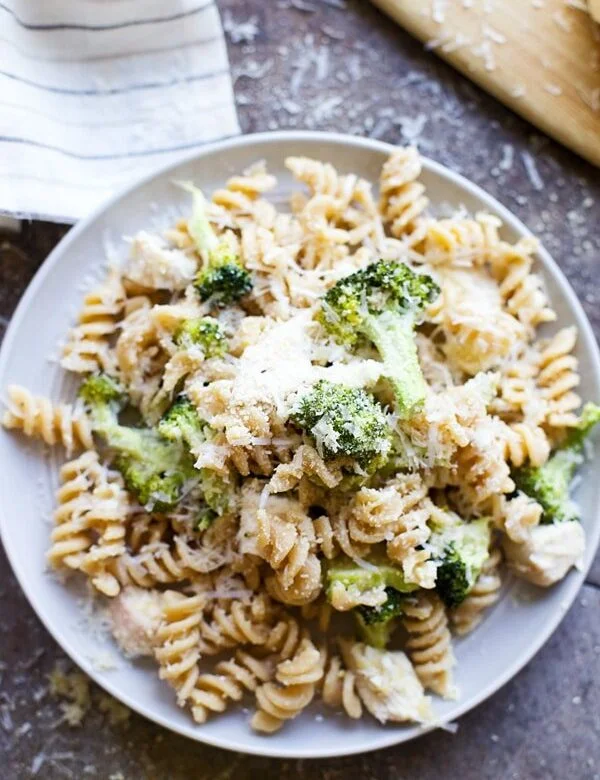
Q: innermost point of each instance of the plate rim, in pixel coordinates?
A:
(386, 738)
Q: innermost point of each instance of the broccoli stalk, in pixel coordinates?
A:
(460, 549)
(348, 583)
(376, 624)
(157, 471)
(182, 425)
(222, 279)
(550, 484)
(382, 303)
(345, 421)
(204, 332)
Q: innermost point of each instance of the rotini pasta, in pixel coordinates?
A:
(177, 642)
(87, 345)
(38, 417)
(429, 643)
(231, 678)
(338, 688)
(281, 420)
(403, 198)
(295, 688)
(558, 378)
(483, 595)
(521, 290)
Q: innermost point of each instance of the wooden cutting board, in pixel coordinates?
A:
(539, 57)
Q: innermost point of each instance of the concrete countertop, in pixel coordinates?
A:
(336, 65)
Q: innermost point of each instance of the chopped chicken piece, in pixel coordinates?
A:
(135, 615)
(153, 264)
(547, 553)
(387, 684)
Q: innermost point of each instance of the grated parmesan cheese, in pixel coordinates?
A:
(532, 171)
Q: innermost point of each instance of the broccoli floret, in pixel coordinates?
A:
(550, 484)
(376, 624)
(345, 421)
(104, 398)
(181, 423)
(148, 472)
(157, 471)
(460, 549)
(223, 282)
(382, 303)
(222, 278)
(204, 332)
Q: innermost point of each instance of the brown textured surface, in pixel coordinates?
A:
(368, 78)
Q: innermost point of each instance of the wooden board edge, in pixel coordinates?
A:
(586, 149)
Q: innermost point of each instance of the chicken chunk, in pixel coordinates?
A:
(152, 263)
(387, 684)
(135, 614)
(547, 553)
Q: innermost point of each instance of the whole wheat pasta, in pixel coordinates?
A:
(39, 417)
(294, 690)
(87, 346)
(429, 644)
(484, 594)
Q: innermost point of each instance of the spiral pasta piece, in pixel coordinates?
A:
(460, 241)
(282, 534)
(144, 530)
(558, 378)
(482, 596)
(177, 638)
(338, 688)
(38, 417)
(321, 178)
(480, 473)
(175, 561)
(518, 395)
(87, 346)
(241, 198)
(141, 359)
(284, 637)
(521, 290)
(397, 514)
(278, 702)
(90, 522)
(333, 536)
(526, 442)
(237, 624)
(107, 517)
(71, 538)
(429, 644)
(230, 680)
(153, 564)
(403, 198)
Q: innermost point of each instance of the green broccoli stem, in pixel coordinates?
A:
(394, 337)
(558, 472)
(199, 226)
(375, 634)
(589, 418)
(549, 484)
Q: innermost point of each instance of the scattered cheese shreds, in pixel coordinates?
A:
(532, 172)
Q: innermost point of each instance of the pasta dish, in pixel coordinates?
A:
(309, 441)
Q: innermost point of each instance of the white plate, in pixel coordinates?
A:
(514, 630)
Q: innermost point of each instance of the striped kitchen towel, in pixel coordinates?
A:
(94, 93)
